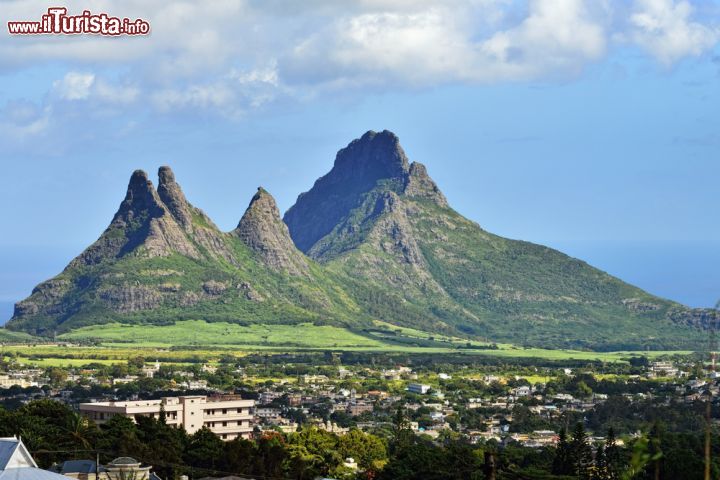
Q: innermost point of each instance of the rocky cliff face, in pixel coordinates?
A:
(262, 229)
(358, 168)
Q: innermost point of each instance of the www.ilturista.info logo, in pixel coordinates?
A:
(58, 22)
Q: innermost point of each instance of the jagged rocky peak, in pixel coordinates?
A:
(173, 197)
(142, 220)
(188, 216)
(141, 198)
(372, 157)
(262, 229)
(358, 168)
(419, 184)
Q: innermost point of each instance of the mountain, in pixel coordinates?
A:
(373, 239)
(383, 222)
(161, 259)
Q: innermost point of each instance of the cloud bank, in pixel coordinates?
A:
(229, 57)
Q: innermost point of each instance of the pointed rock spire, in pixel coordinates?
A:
(140, 197)
(419, 184)
(173, 197)
(142, 220)
(262, 229)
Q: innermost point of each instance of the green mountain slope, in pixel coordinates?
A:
(162, 260)
(404, 246)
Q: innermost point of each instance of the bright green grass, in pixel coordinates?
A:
(414, 333)
(198, 332)
(217, 337)
(64, 362)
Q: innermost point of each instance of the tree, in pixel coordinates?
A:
(120, 438)
(136, 363)
(600, 471)
(271, 455)
(655, 450)
(369, 451)
(562, 463)
(239, 456)
(612, 455)
(580, 452)
(81, 432)
(583, 390)
(402, 434)
(205, 450)
(313, 452)
(165, 444)
(57, 376)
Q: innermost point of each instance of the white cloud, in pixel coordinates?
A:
(74, 86)
(440, 44)
(666, 29)
(231, 94)
(232, 56)
(557, 37)
(109, 92)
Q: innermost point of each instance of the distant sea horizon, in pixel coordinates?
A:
(6, 311)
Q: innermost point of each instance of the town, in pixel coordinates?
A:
(525, 406)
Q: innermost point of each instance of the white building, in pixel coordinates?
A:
(522, 391)
(16, 463)
(7, 381)
(420, 388)
(151, 369)
(228, 416)
(663, 369)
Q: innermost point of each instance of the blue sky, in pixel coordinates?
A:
(590, 126)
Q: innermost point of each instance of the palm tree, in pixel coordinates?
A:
(80, 431)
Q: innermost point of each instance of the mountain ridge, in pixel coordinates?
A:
(373, 239)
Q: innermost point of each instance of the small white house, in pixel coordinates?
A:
(522, 391)
(16, 463)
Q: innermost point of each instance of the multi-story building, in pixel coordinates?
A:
(228, 416)
(358, 408)
(7, 381)
(418, 388)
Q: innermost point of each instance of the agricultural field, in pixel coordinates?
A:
(222, 334)
(194, 341)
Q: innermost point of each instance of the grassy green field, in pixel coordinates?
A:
(217, 334)
(194, 341)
